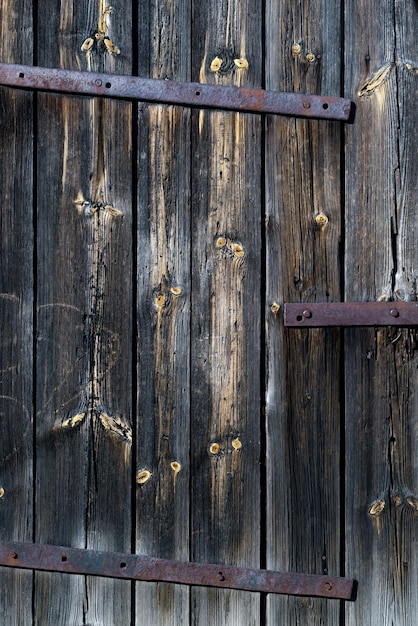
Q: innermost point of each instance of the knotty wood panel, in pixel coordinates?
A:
(84, 316)
(226, 244)
(381, 364)
(16, 316)
(163, 304)
(302, 366)
(209, 271)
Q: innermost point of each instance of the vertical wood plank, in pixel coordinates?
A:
(381, 260)
(84, 315)
(226, 244)
(302, 366)
(16, 313)
(163, 304)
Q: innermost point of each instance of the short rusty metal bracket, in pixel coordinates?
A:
(135, 567)
(351, 314)
(172, 92)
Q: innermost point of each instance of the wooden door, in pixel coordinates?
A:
(151, 399)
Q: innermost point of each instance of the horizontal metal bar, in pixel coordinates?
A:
(351, 314)
(135, 567)
(172, 92)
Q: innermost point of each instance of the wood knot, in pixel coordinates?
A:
(238, 250)
(275, 308)
(100, 36)
(241, 64)
(413, 502)
(397, 500)
(378, 79)
(143, 476)
(175, 466)
(226, 447)
(236, 444)
(296, 49)
(230, 248)
(74, 420)
(89, 208)
(1, 492)
(115, 426)
(160, 301)
(214, 448)
(226, 61)
(303, 57)
(377, 508)
(165, 296)
(321, 220)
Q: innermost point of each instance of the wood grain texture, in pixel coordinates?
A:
(16, 313)
(163, 310)
(226, 243)
(84, 422)
(381, 261)
(302, 366)
(221, 472)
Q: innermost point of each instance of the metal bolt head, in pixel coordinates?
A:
(394, 312)
(306, 313)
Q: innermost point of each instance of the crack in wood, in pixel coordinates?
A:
(376, 80)
(97, 218)
(94, 42)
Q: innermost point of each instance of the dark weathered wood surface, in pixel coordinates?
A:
(163, 313)
(84, 283)
(141, 311)
(302, 366)
(381, 261)
(226, 243)
(16, 319)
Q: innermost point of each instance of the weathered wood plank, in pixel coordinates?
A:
(381, 261)
(84, 316)
(16, 312)
(226, 244)
(163, 303)
(302, 366)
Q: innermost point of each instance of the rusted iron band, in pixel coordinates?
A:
(320, 314)
(136, 567)
(173, 92)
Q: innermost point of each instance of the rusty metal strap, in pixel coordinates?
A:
(172, 92)
(320, 314)
(135, 567)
